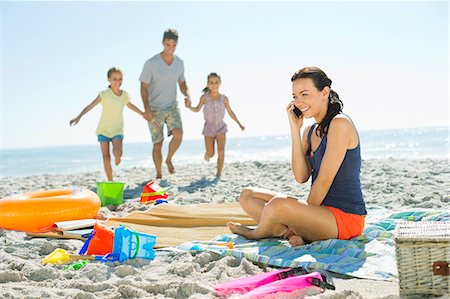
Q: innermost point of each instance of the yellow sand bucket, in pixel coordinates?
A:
(110, 193)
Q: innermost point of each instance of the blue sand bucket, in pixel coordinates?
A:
(132, 244)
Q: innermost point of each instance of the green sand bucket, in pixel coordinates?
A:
(110, 193)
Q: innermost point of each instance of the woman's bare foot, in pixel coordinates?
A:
(289, 233)
(206, 157)
(117, 160)
(296, 240)
(170, 167)
(237, 228)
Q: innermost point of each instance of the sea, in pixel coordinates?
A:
(416, 143)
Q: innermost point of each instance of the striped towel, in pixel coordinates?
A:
(371, 255)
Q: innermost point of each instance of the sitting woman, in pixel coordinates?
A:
(329, 152)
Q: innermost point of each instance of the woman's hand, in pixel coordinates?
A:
(295, 122)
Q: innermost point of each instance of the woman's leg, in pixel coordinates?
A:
(106, 159)
(117, 150)
(310, 222)
(209, 146)
(253, 200)
(221, 140)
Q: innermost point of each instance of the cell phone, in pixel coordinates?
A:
(297, 111)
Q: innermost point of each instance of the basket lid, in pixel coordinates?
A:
(423, 231)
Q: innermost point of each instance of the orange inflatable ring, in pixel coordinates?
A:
(37, 211)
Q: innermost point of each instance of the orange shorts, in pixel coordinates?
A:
(349, 225)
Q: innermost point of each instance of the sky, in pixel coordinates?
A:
(388, 62)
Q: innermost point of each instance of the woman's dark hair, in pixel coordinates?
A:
(206, 89)
(320, 80)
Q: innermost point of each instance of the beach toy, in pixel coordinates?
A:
(246, 284)
(131, 244)
(196, 248)
(226, 244)
(38, 211)
(290, 284)
(160, 201)
(100, 242)
(261, 285)
(152, 191)
(110, 193)
(60, 256)
(76, 266)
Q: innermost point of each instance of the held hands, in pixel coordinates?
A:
(295, 121)
(187, 102)
(148, 115)
(74, 121)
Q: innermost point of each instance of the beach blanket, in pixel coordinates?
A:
(174, 224)
(371, 255)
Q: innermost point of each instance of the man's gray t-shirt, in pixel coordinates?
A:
(162, 81)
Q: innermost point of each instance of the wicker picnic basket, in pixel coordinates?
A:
(423, 256)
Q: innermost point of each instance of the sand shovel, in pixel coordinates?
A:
(60, 256)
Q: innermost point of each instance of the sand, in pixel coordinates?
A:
(393, 184)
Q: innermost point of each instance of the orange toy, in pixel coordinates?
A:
(37, 211)
(102, 241)
(152, 191)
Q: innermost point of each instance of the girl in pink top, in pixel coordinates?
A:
(215, 128)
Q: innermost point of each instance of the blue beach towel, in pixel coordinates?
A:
(371, 255)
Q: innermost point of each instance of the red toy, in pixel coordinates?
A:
(101, 242)
(152, 191)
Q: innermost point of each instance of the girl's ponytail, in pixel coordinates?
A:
(206, 89)
(111, 71)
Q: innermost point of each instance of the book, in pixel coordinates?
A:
(73, 224)
(76, 233)
(81, 234)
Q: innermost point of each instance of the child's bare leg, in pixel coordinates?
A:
(221, 139)
(209, 146)
(117, 150)
(106, 159)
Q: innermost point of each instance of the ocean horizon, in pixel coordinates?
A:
(412, 143)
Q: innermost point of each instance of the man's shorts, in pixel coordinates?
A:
(171, 117)
(103, 138)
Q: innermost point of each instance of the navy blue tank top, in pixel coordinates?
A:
(345, 191)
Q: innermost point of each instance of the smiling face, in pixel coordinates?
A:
(213, 84)
(170, 46)
(311, 101)
(115, 80)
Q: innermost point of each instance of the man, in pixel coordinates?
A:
(159, 93)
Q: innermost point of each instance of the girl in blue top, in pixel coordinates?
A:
(329, 153)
